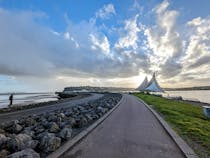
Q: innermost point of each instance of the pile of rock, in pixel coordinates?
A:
(38, 135)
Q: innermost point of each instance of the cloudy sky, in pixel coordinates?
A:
(47, 45)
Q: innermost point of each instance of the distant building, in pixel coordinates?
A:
(151, 86)
(143, 85)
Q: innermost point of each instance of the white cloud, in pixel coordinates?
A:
(106, 11)
(181, 54)
(84, 53)
(102, 43)
(129, 35)
(198, 49)
(164, 42)
(67, 35)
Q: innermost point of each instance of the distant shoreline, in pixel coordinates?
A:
(187, 88)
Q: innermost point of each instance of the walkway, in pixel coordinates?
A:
(131, 131)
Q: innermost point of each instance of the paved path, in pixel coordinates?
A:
(14, 115)
(131, 131)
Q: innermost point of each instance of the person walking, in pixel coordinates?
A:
(11, 100)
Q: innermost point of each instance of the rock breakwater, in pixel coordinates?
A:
(38, 135)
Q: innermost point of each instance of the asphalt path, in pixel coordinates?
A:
(48, 108)
(131, 131)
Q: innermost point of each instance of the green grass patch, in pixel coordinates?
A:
(186, 119)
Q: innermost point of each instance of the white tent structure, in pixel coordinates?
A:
(143, 85)
(152, 86)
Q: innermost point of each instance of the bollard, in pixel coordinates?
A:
(206, 111)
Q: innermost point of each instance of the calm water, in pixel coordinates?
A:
(27, 98)
(195, 95)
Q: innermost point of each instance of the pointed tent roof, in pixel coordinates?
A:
(143, 85)
(153, 85)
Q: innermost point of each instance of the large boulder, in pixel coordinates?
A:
(88, 117)
(81, 121)
(101, 110)
(21, 141)
(14, 127)
(65, 133)
(26, 153)
(3, 140)
(29, 121)
(39, 129)
(61, 115)
(52, 117)
(54, 128)
(4, 153)
(28, 131)
(2, 131)
(48, 142)
(68, 113)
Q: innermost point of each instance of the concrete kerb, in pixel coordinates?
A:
(184, 147)
(71, 143)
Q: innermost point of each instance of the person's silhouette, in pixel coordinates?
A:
(10, 99)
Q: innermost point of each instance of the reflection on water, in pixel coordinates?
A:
(27, 98)
(195, 95)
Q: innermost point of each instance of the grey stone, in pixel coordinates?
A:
(15, 128)
(65, 133)
(26, 153)
(29, 121)
(2, 131)
(68, 113)
(89, 117)
(48, 142)
(21, 141)
(3, 140)
(81, 121)
(52, 117)
(54, 128)
(71, 121)
(62, 115)
(4, 153)
(61, 124)
(100, 110)
(39, 129)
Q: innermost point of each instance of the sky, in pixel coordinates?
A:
(48, 45)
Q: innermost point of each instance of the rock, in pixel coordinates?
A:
(89, 117)
(62, 115)
(2, 131)
(81, 121)
(3, 140)
(54, 128)
(68, 113)
(95, 116)
(28, 131)
(48, 142)
(39, 129)
(65, 133)
(71, 121)
(52, 117)
(29, 121)
(21, 141)
(26, 153)
(61, 124)
(15, 128)
(100, 110)
(4, 153)
(45, 123)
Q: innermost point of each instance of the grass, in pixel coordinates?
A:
(186, 119)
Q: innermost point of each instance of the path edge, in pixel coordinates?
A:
(72, 142)
(183, 146)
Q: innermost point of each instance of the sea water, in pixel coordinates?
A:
(194, 95)
(24, 99)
